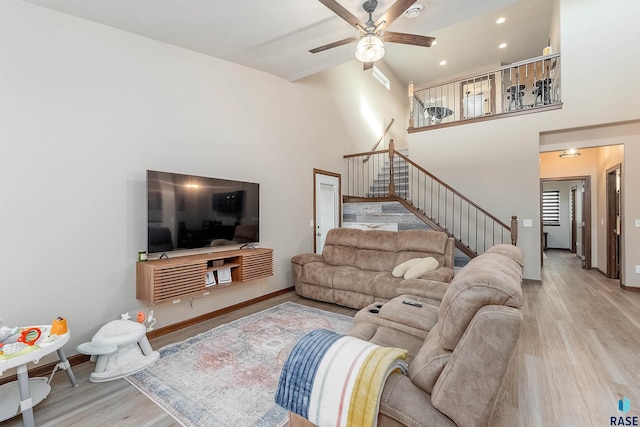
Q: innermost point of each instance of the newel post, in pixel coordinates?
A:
(514, 230)
(392, 185)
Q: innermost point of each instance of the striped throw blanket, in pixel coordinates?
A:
(336, 380)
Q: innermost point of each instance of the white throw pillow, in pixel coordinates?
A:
(401, 269)
(425, 265)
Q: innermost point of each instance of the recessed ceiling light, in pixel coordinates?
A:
(443, 62)
(502, 45)
(500, 20)
(413, 11)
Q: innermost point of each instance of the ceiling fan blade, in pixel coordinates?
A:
(343, 13)
(392, 37)
(334, 44)
(367, 66)
(393, 13)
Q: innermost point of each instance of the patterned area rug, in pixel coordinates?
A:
(228, 376)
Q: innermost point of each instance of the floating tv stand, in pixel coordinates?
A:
(165, 280)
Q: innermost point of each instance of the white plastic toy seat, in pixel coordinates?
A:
(120, 348)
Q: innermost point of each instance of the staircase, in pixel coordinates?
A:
(390, 176)
(380, 185)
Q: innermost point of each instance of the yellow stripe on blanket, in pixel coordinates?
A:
(365, 401)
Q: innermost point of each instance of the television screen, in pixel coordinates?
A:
(190, 212)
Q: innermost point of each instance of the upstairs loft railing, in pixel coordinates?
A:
(523, 87)
(388, 175)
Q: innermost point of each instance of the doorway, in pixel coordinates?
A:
(326, 205)
(614, 220)
(573, 217)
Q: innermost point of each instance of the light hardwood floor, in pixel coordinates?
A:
(578, 354)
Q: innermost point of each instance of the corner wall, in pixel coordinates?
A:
(85, 109)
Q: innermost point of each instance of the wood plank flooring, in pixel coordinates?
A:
(578, 354)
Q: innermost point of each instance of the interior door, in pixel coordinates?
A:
(327, 206)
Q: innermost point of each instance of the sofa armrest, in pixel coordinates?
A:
(440, 274)
(405, 403)
(431, 289)
(303, 259)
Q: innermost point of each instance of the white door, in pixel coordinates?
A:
(327, 205)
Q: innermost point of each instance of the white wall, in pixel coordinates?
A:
(499, 165)
(365, 107)
(85, 109)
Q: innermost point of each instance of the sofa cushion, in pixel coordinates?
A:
(422, 241)
(354, 279)
(340, 246)
(351, 299)
(374, 260)
(318, 273)
(402, 268)
(381, 240)
(432, 289)
(422, 318)
(428, 364)
(490, 279)
(339, 255)
(343, 237)
(386, 286)
(440, 274)
(424, 266)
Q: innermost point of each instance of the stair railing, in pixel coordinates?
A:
(379, 140)
(392, 176)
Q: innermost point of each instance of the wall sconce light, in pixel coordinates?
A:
(569, 154)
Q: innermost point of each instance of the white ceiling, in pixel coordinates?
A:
(275, 36)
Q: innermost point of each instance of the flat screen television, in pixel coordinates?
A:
(193, 212)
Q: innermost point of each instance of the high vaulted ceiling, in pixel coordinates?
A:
(275, 36)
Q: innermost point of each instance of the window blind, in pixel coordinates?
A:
(551, 207)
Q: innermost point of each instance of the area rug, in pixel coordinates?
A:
(228, 376)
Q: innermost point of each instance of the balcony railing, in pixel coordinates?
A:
(525, 86)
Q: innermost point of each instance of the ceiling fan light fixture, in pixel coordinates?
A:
(370, 48)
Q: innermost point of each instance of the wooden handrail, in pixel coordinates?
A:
(379, 141)
(349, 156)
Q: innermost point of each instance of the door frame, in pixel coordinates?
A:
(574, 227)
(613, 200)
(586, 215)
(317, 172)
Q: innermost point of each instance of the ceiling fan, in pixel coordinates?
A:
(370, 47)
